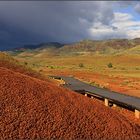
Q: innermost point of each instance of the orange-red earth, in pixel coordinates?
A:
(31, 108)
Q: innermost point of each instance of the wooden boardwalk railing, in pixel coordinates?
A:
(108, 96)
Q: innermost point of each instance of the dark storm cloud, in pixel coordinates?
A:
(32, 22)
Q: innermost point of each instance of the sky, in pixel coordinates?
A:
(33, 22)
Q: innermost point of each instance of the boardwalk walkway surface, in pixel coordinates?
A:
(118, 98)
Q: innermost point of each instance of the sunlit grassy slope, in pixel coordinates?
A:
(135, 50)
(9, 62)
(126, 65)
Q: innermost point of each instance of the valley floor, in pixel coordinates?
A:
(123, 76)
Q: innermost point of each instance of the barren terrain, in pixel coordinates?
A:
(32, 108)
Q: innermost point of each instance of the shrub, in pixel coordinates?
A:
(110, 65)
(95, 84)
(122, 68)
(25, 63)
(51, 67)
(81, 65)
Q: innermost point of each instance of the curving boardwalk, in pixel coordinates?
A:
(121, 99)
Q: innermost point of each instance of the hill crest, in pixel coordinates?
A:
(104, 46)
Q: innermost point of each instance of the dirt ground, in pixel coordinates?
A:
(34, 109)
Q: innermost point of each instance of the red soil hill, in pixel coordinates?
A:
(31, 108)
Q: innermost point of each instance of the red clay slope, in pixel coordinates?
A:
(20, 68)
(31, 109)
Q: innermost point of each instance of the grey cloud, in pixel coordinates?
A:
(137, 7)
(111, 35)
(52, 21)
(114, 28)
(64, 21)
(34, 22)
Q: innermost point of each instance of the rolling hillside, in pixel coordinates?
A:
(134, 50)
(89, 45)
(9, 62)
(114, 46)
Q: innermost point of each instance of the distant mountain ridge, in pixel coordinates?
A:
(96, 46)
(42, 45)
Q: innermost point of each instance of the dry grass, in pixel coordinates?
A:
(124, 67)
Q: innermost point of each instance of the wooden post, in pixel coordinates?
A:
(114, 105)
(85, 94)
(137, 113)
(91, 97)
(106, 102)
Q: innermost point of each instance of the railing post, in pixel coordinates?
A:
(91, 97)
(106, 102)
(114, 105)
(137, 113)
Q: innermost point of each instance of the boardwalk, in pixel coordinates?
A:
(121, 99)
